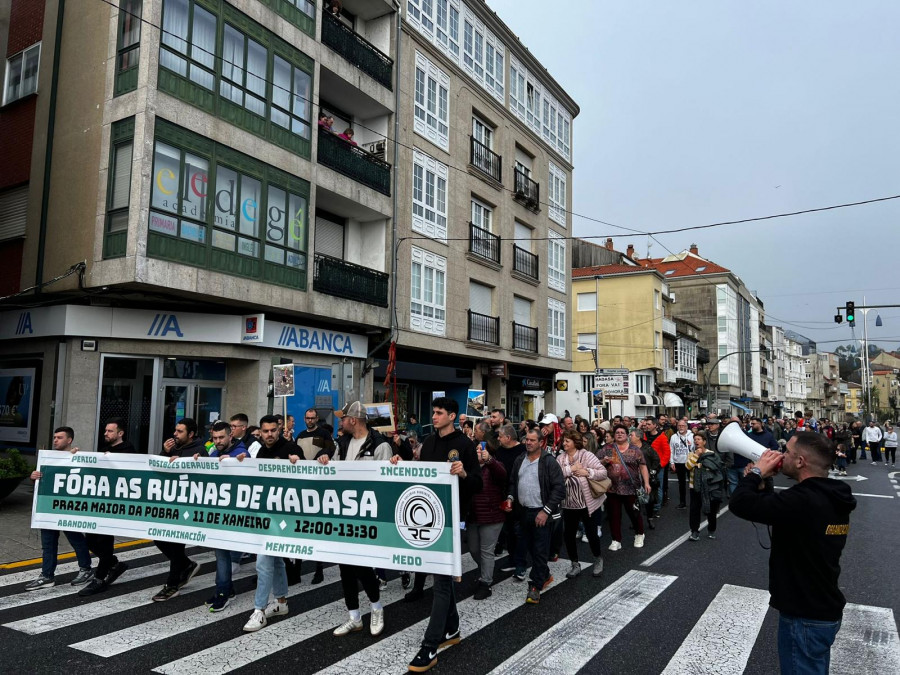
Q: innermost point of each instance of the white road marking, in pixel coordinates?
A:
(165, 627)
(867, 642)
(723, 638)
(132, 574)
(108, 606)
(390, 654)
(659, 555)
(65, 568)
(571, 643)
(249, 648)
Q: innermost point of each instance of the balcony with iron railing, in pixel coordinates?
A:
(484, 244)
(357, 50)
(525, 338)
(525, 263)
(484, 329)
(485, 160)
(343, 279)
(526, 191)
(354, 162)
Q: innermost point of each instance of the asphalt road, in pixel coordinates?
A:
(691, 607)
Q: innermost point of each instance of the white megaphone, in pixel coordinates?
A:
(733, 439)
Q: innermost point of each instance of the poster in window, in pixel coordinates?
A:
(16, 406)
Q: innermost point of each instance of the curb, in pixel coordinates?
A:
(66, 556)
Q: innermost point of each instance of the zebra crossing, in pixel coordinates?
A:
(124, 631)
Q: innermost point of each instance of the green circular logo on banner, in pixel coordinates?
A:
(419, 516)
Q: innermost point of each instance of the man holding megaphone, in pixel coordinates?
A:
(810, 523)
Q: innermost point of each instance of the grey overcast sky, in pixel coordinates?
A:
(701, 111)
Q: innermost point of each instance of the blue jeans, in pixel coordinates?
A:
(271, 578)
(223, 570)
(804, 645)
(536, 541)
(734, 477)
(50, 551)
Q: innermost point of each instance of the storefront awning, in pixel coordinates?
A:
(741, 406)
(672, 400)
(647, 400)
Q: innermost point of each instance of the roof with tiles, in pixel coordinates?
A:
(608, 270)
(684, 264)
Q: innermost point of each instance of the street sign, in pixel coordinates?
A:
(612, 371)
(616, 397)
(612, 384)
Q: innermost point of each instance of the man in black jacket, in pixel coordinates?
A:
(184, 443)
(536, 487)
(809, 523)
(109, 568)
(446, 444)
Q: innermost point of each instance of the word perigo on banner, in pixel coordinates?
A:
(401, 517)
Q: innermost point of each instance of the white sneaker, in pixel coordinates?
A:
(377, 622)
(584, 538)
(639, 541)
(350, 627)
(275, 608)
(257, 621)
(615, 545)
(599, 531)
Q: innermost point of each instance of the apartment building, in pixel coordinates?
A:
(187, 225)
(482, 284)
(796, 373)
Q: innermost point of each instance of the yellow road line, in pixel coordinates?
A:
(65, 556)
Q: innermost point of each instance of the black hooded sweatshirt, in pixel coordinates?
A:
(456, 446)
(809, 523)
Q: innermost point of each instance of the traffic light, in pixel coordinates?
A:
(851, 313)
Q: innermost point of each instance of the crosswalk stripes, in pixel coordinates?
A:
(134, 637)
(65, 568)
(867, 642)
(248, 649)
(132, 574)
(386, 656)
(567, 647)
(108, 606)
(724, 636)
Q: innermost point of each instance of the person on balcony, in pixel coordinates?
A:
(326, 122)
(348, 136)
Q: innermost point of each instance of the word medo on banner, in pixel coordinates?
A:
(333, 513)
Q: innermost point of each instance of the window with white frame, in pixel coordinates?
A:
(587, 302)
(556, 328)
(556, 262)
(523, 235)
(587, 340)
(538, 108)
(429, 196)
(482, 215)
(557, 195)
(22, 74)
(483, 133)
(428, 304)
(643, 384)
(447, 31)
(432, 103)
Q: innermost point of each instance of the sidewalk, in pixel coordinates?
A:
(18, 542)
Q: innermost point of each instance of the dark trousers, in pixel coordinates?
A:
(851, 453)
(875, 448)
(681, 472)
(571, 519)
(697, 508)
(444, 617)
(556, 536)
(536, 541)
(178, 560)
(350, 575)
(618, 503)
(102, 546)
(508, 535)
(892, 452)
(664, 477)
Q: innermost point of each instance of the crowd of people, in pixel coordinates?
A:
(525, 491)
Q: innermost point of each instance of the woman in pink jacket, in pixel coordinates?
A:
(578, 465)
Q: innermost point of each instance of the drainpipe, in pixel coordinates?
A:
(394, 245)
(48, 151)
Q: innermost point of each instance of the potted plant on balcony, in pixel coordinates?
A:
(13, 468)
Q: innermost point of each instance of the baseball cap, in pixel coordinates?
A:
(549, 418)
(712, 419)
(355, 409)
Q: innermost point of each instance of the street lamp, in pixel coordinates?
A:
(867, 370)
(593, 351)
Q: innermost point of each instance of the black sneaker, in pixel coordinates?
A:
(681, 506)
(187, 574)
(483, 592)
(210, 601)
(115, 572)
(534, 595)
(318, 576)
(451, 637)
(425, 660)
(96, 586)
(221, 602)
(405, 580)
(166, 593)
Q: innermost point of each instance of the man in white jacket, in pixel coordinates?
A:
(872, 436)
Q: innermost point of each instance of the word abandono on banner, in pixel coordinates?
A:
(369, 513)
